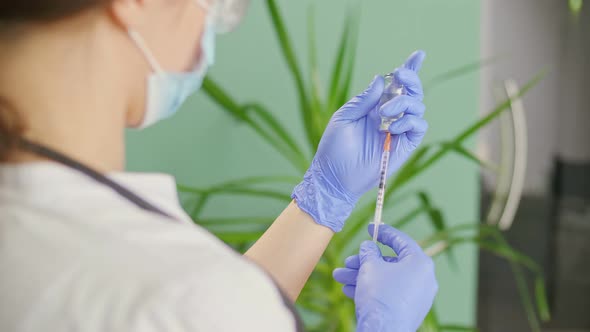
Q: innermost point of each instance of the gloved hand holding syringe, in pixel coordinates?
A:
(349, 156)
(384, 137)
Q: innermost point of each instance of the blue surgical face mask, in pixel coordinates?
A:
(167, 91)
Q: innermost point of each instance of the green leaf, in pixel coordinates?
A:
(218, 95)
(415, 166)
(191, 190)
(450, 232)
(576, 6)
(364, 213)
(417, 156)
(312, 306)
(199, 206)
(240, 184)
(321, 327)
(238, 187)
(461, 150)
(410, 165)
(343, 68)
(525, 297)
(257, 180)
(430, 323)
(445, 149)
(244, 227)
(434, 213)
(350, 59)
(500, 247)
(313, 62)
(290, 58)
(315, 82)
(437, 220)
(541, 299)
(245, 183)
(314, 116)
(498, 110)
(280, 131)
(233, 190)
(223, 99)
(357, 222)
(457, 328)
(238, 237)
(241, 221)
(458, 72)
(338, 65)
(409, 217)
(504, 250)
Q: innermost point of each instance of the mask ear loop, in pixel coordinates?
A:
(139, 42)
(203, 4)
(210, 6)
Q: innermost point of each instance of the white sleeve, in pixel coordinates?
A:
(216, 301)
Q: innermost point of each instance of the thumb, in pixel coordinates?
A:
(414, 61)
(369, 251)
(362, 104)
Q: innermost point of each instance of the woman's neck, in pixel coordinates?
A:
(68, 91)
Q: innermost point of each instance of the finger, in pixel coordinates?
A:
(401, 243)
(390, 259)
(410, 81)
(369, 252)
(414, 61)
(345, 276)
(349, 290)
(412, 126)
(360, 105)
(403, 103)
(353, 262)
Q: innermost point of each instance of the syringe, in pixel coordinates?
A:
(392, 90)
(382, 179)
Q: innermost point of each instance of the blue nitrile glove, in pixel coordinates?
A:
(391, 294)
(348, 158)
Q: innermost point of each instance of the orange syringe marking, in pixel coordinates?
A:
(387, 145)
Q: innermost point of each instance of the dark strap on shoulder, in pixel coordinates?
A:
(298, 322)
(96, 176)
(130, 196)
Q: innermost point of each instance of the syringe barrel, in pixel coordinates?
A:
(377, 220)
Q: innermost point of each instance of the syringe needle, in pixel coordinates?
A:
(382, 180)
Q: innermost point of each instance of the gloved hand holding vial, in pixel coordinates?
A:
(347, 163)
(393, 88)
(366, 140)
(393, 293)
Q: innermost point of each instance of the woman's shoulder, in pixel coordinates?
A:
(162, 271)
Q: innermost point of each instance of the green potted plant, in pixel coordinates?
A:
(322, 301)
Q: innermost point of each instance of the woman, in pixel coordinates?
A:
(88, 247)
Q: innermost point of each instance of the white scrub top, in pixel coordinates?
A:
(75, 256)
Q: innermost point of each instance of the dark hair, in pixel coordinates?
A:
(14, 15)
(11, 129)
(25, 11)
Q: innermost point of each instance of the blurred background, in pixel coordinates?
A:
(518, 183)
(552, 223)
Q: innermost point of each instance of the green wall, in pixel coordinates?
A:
(202, 145)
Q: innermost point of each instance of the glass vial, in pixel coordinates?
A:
(392, 90)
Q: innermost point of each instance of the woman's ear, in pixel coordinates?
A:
(128, 13)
